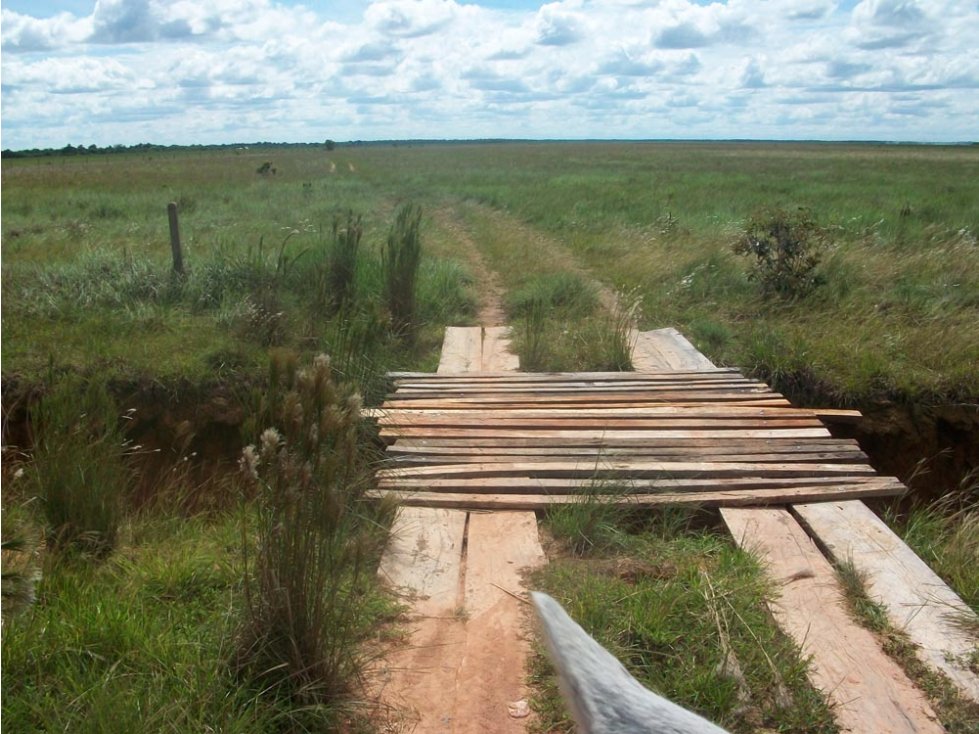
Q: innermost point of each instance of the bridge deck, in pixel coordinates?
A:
(527, 441)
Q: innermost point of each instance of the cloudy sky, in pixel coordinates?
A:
(219, 71)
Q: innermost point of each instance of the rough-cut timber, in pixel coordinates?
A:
(870, 691)
(691, 435)
(666, 349)
(916, 599)
(462, 576)
(474, 349)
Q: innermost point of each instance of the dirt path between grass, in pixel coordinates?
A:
(546, 248)
(549, 249)
(489, 290)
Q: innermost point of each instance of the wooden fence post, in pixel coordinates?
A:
(178, 257)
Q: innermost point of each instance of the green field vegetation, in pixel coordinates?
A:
(293, 263)
(897, 315)
(88, 284)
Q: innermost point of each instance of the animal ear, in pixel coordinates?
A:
(601, 694)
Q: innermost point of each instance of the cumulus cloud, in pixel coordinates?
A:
(881, 24)
(682, 35)
(22, 33)
(410, 18)
(556, 27)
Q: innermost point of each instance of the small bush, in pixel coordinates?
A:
(79, 466)
(785, 247)
(401, 259)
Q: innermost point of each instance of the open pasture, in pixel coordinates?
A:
(85, 249)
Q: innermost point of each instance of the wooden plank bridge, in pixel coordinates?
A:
(527, 441)
(479, 436)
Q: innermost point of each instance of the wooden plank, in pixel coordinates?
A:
(869, 691)
(497, 354)
(601, 391)
(632, 467)
(423, 557)
(666, 349)
(571, 400)
(538, 376)
(614, 440)
(610, 424)
(462, 349)
(593, 455)
(830, 415)
(490, 432)
(628, 485)
(664, 411)
(596, 385)
(749, 402)
(734, 498)
(916, 599)
(502, 547)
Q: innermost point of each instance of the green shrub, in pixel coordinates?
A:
(785, 247)
(79, 467)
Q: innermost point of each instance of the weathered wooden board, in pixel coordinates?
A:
(502, 546)
(497, 355)
(443, 420)
(613, 440)
(916, 599)
(601, 390)
(468, 406)
(462, 349)
(735, 498)
(423, 557)
(666, 349)
(631, 468)
(391, 416)
(432, 377)
(599, 482)
(598, 434)
(870, 691)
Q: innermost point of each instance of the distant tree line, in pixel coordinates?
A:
(71, 150)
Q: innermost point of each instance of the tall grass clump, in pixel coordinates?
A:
(785, 247)
(565, 292)
(342, 273)
(945, 534)
(79, 466)
(534, 347)
(309, 575)
(401, 258)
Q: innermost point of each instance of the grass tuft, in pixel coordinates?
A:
(309, 577)
(78, 468)
(401, 259)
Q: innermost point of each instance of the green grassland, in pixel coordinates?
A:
(897, 315)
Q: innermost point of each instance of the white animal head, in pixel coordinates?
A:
(603, 697)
